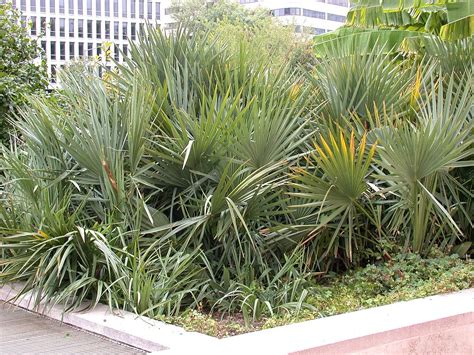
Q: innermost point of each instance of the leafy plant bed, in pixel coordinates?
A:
(402, 278)
(215, 189)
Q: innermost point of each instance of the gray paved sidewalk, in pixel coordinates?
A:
(23, 332)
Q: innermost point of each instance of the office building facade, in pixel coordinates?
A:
(73, 29)
(309, 16)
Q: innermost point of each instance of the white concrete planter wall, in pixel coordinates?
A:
(442, 324)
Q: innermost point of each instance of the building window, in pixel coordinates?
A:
(52, 26)
(61, 6)
(33, 26)
(149, 10)
(287, 11)
(157, 11)
(89, 28)
(62, 51)
(43, 5)
(52, 6)
(53, 73)
(80, 7)
(98, 51)
(43, 46)
(71, 28)
(107, 7)
(116, 30)
(337, 18)
(62, 27)
(133, 31)
(141, 8)
(344, 3)
(80, 28)
(33, 5)
(314, 14)
(43, 25)
(23, 5)
(170, 10)
(89, 7)
(107, 29)
(125, 49)
(124, 8)
(89, 50)
(171, 26)
(116, 53)
(124, 30)
(133, 5)
(116, 10)
(81, 49)
(98, 28)
(53, 50)
(71, 50)
(317, 31)
(98, 9)
(71, 7)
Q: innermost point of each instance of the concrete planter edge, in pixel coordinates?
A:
(436, 324)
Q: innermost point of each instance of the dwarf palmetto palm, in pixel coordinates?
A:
(183, 179)
(417, 159)
(453, 56)
(361, 83)
(334, 184)
(219, 143)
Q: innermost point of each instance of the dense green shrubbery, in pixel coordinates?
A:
(201, 178)
(22, 71)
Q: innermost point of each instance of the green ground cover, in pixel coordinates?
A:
(404, 277)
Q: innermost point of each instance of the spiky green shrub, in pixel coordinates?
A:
(207, 179)
(186, 152)
(333, 186)
(417, 161)
(349, 82)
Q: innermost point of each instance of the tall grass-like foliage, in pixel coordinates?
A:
(200, 177)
